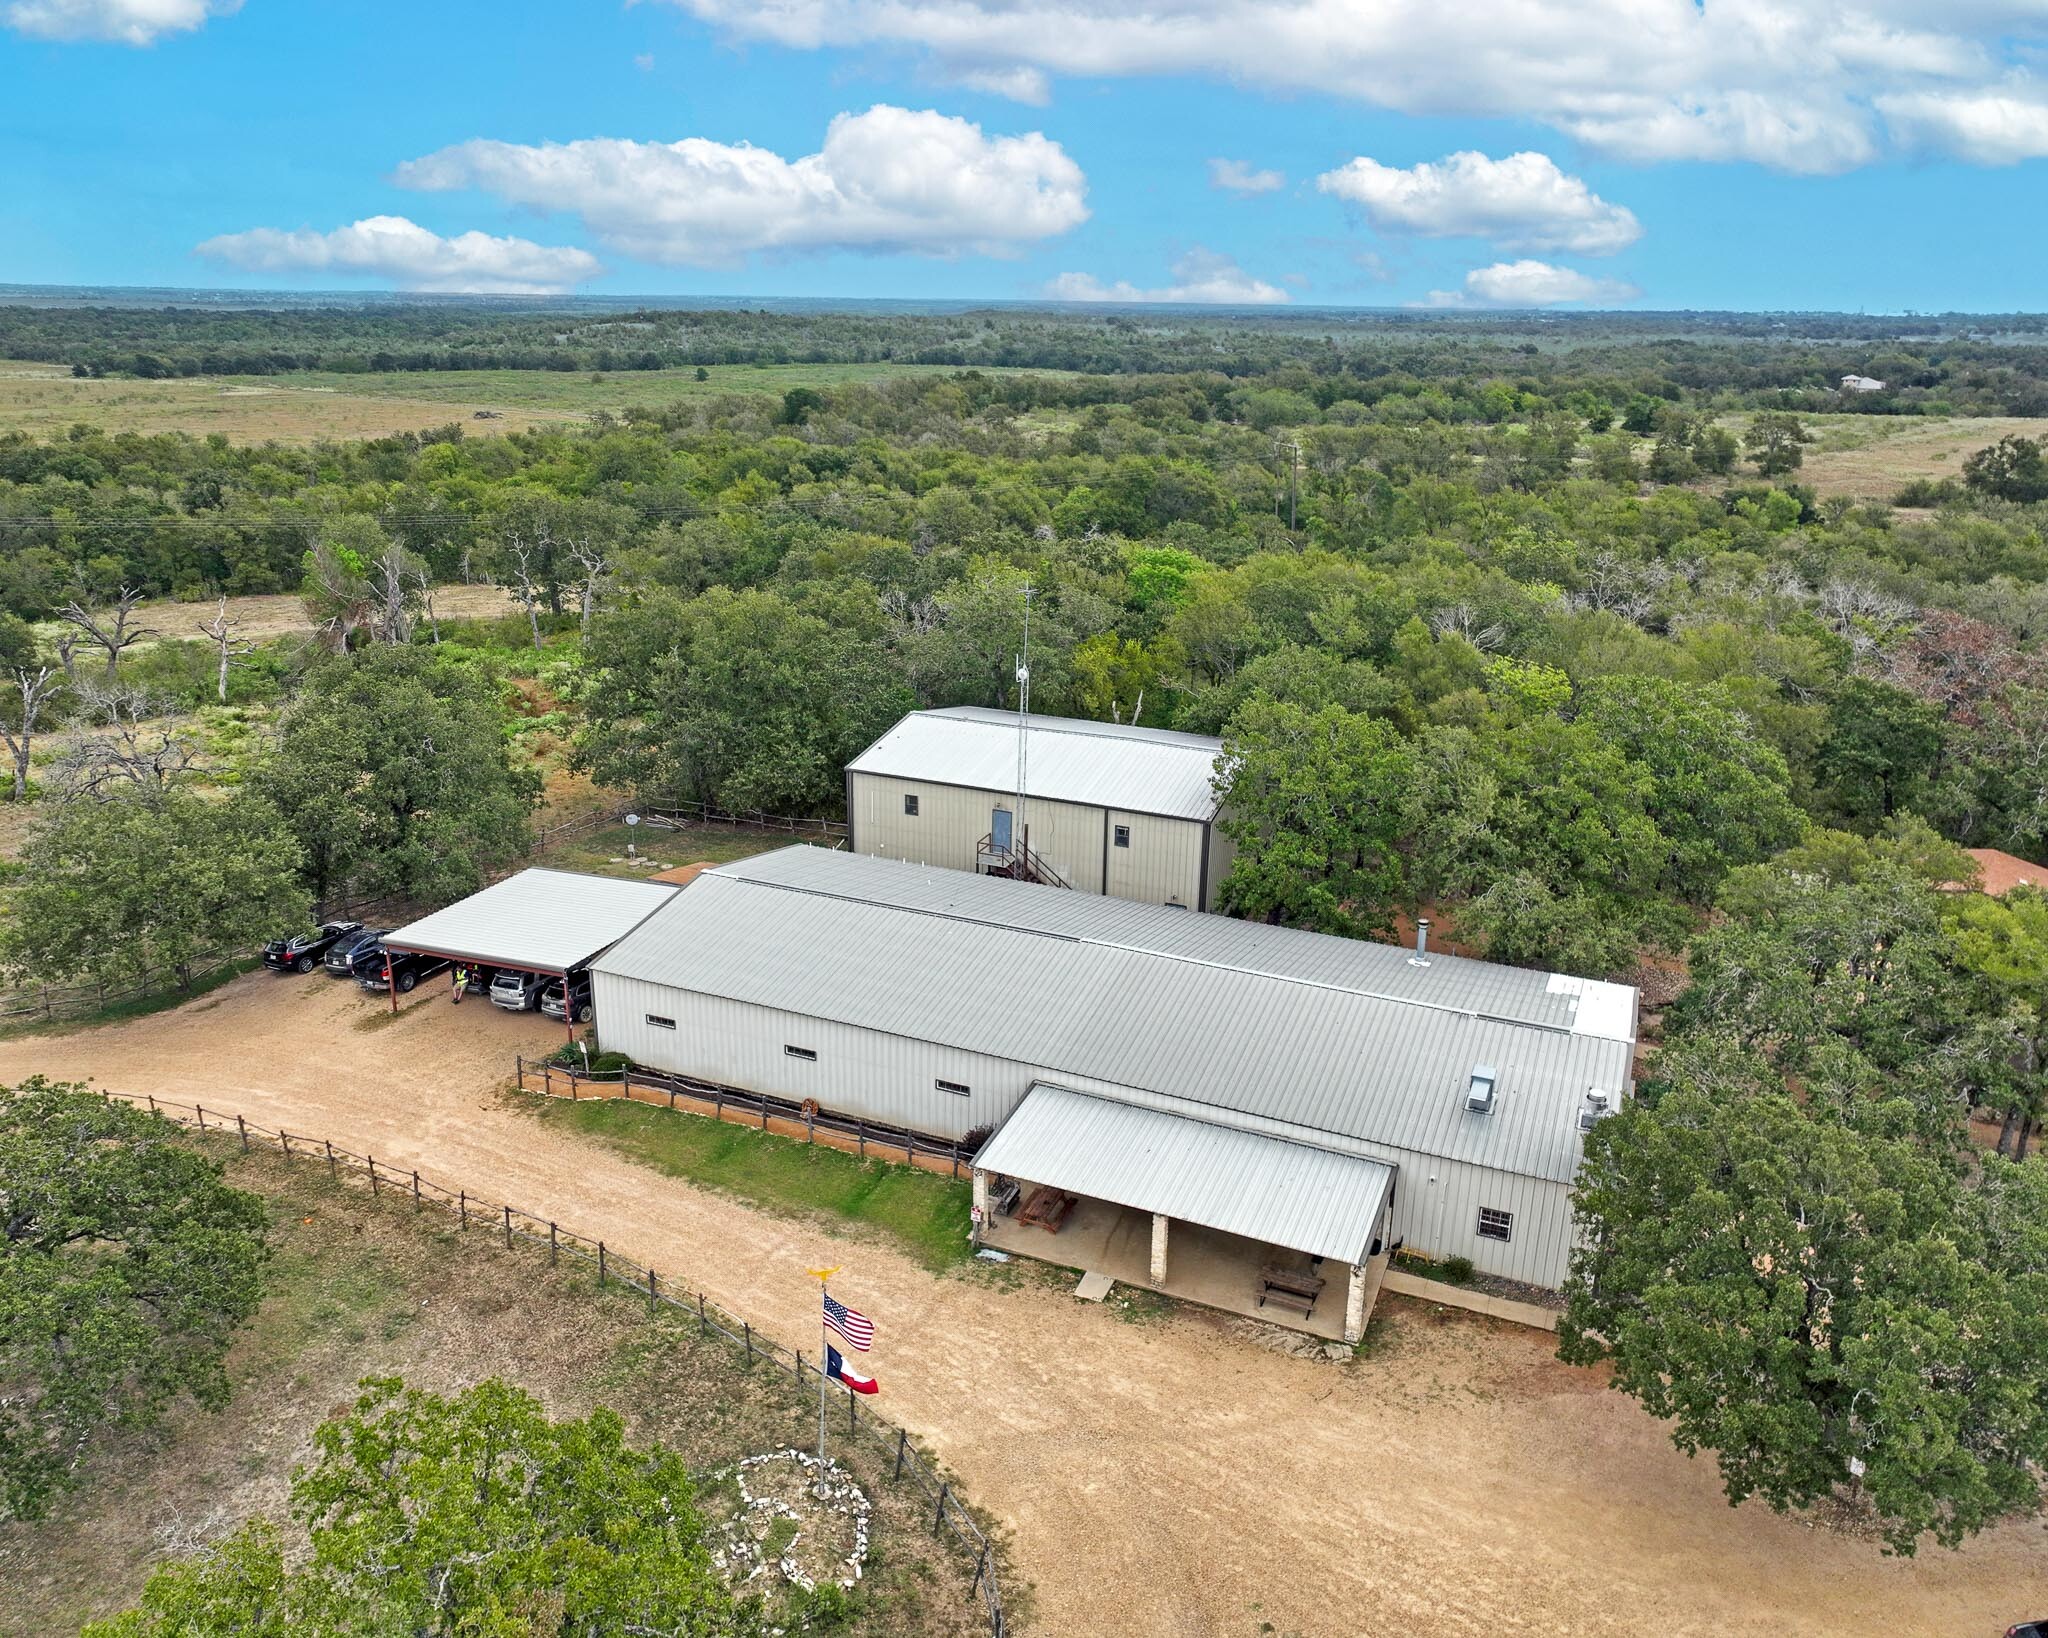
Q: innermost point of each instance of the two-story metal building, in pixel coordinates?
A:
(1107, 808)
(1282, 1087)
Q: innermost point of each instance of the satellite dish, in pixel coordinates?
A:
(632, 818)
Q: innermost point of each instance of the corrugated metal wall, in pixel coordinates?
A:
(892, 1079)
(1222, 855)
(1162, 865)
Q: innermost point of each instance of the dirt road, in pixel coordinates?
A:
(1172, 1478)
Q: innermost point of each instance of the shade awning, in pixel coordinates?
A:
(1244, 1183)
(545, 921)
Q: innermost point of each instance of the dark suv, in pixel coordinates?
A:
(340, 959)
(407, 968)
(567, 999)
(301, 952)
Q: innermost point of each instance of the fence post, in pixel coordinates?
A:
(373, 1174)
(862, 1126)
(332, 1170)
(703, 1324)
(852, 1415)
(902, 1443)
(508, 1228)
(652, 1298)
(981, 1567)
(415, 1189)
(939, 1516)
(200, 1111)
(600, 1265)
(152, 1103)
(747, 1336)
(284, 1140)
(462, 1207)
(553, 1246)
(242, 1126)
(764, 1114)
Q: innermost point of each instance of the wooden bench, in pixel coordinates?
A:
(1006, 1198)
(1290, 1288)
(1047, 1208)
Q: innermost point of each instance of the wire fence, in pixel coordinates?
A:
(950, 1520)
(755, 819)
(781, 1116)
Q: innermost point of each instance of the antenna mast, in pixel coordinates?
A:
(1024, 725)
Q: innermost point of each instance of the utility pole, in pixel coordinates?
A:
(1293, 477)
(1024, 729)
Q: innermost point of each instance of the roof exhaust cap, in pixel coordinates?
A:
(1599, 1105)
(1479, 1090)
(1421, 956)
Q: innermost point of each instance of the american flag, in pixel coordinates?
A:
(855, 1327)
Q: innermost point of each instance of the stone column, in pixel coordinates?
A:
(1159, 1249)
(980, 1221)
(1354, 1305)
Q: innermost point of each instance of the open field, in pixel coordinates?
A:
(44, 400)
(1871, 457)
(358, 1288)
(1179, 1476)
(283, 614)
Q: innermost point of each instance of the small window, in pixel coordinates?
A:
(955, 1088)
(660, 1022)
(1496, 1225)
(804, 1053)
(1123, 835)
(910, 807)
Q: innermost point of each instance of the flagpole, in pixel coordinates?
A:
(824, 1277)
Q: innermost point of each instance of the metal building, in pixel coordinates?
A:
(1305, 1091)
(1108, 808)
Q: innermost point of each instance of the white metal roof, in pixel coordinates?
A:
(1263, 1188)
(549, 921)
(1301, 1030)
(1098, 764)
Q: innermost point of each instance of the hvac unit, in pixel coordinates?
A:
(1598, 1107)
(1479, 1090)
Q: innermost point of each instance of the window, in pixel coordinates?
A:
(955, 1088)
(804, 1053)
(1496, 1225)
(660, 1022)
(909, 807)
(1123, 835)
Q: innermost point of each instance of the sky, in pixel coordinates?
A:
(1874, 155)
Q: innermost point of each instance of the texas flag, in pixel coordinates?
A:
(838, 1369)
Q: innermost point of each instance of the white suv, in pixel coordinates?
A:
(515, 991)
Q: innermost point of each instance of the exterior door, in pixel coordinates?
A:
(999, 830)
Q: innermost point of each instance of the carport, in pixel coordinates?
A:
(549, 923)
(1244, 1200)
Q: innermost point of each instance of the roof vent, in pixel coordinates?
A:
(1479, 1090)
(1421, 956)
(1598, 1106)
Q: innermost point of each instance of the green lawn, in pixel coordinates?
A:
(925, 1214)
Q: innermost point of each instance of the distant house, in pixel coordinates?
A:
(1861, 383)
(1999, 873)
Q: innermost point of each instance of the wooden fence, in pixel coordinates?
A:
(777, 1115)
(55, 1001)
(950, 1519)
(703, 813)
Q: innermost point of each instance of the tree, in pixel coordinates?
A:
(2013, 469)
(357, 578)
(738, 699)
(393, 773)
(1796, 1294)
(126, 1267)
(1316, 802)
(27, 697)
(144, 883)
(111, 629)
(2006, 940)
(1774, 442)
(446, 1517)
(1881, 748)
(229, 649)
(136, 744)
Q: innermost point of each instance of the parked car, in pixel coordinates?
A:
(301, 952)
(341, 954)
(515, 991)
(568, 1000)
(2029, 1629)
(407, 968)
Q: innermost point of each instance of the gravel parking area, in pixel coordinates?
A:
(1158, 1473)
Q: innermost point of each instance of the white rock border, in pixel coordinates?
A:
(832, 1488)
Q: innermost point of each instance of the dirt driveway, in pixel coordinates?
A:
(1167, 1478)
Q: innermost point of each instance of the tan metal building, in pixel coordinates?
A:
(1126, 812)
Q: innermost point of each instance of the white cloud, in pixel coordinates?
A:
(1235, 176)
(1994, 127)
(1800, 85)
(887, 180)
(125, 22)
(1528, 283)
(1201, 276)
(1522, 202)
(414, 258)
(1026, 85)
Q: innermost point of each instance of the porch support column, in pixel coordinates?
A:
(1354, 1305)
(980, 1206)
(1159, 1221)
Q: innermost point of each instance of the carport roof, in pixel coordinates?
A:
(1262, 1188)
(548, 921)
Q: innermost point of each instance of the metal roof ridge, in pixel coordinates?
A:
(1080, 727)
(1235, 1120)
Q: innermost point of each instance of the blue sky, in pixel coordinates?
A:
(1879, 154)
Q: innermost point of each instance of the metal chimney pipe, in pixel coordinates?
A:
(1421, 956)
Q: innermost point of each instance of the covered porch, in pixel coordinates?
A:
(1211, 1214)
